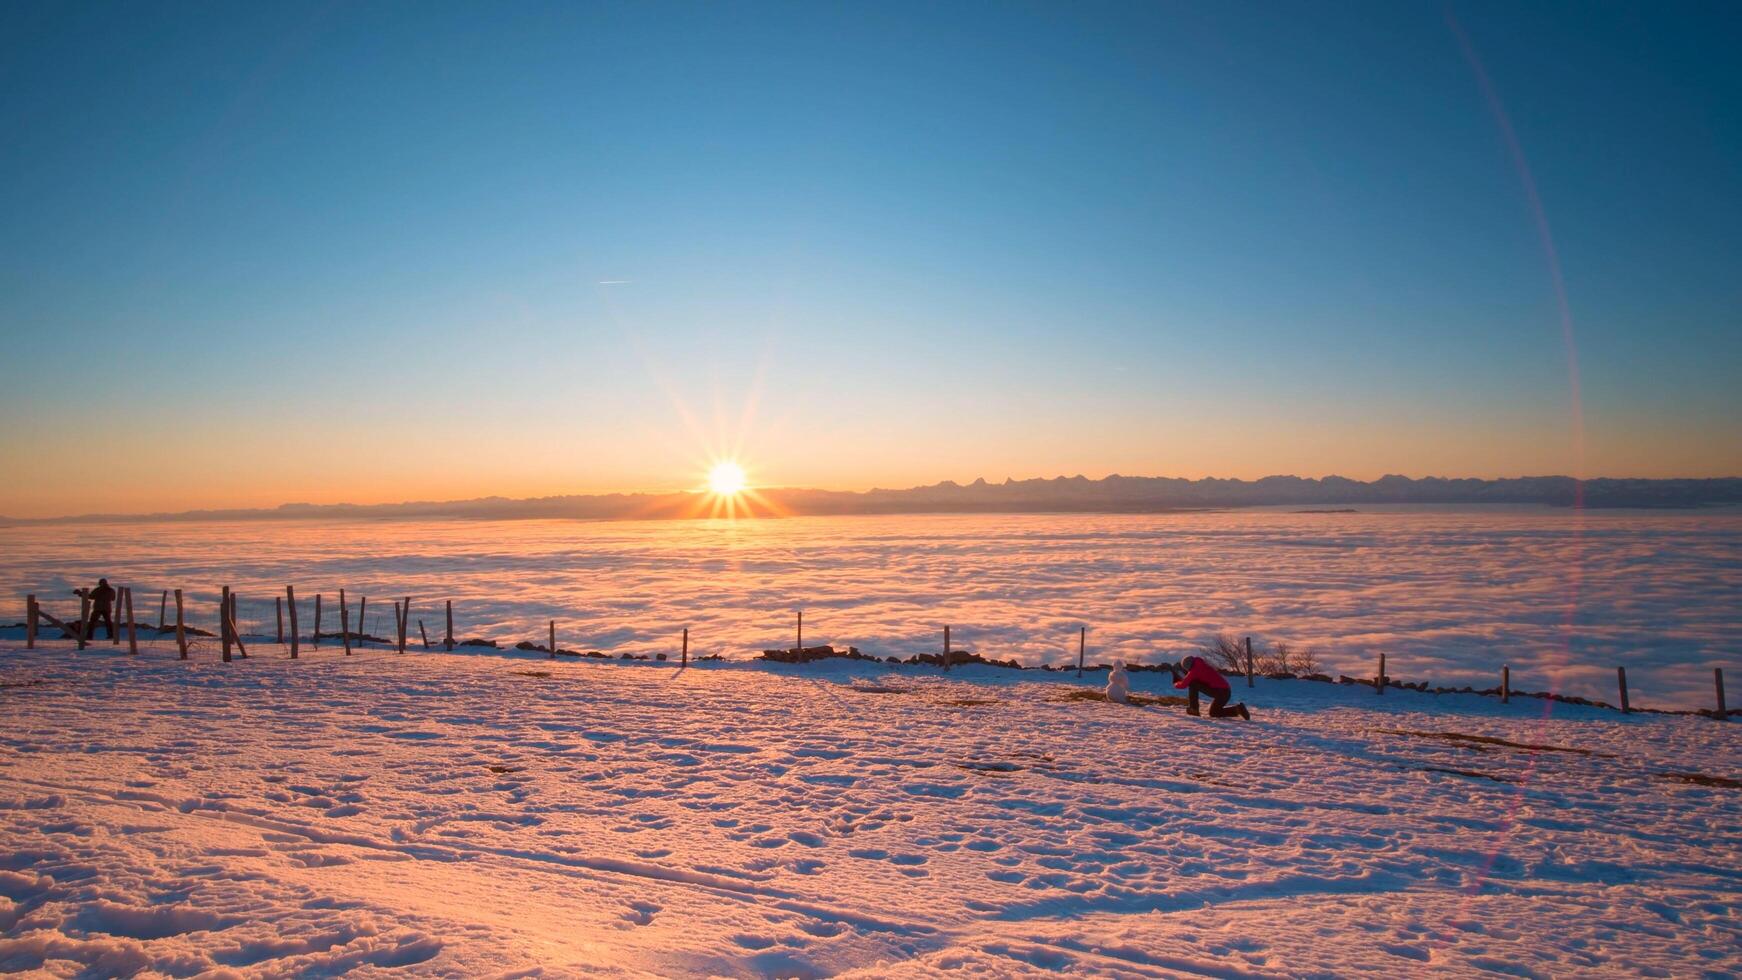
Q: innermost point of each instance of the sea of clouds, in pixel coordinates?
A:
(1448, 594)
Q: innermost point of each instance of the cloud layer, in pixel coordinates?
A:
(1448, 595)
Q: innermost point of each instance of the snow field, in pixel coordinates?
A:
(479, 815)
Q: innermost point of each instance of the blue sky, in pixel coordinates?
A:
(392, 251)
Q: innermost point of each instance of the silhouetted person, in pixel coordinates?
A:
(102, 597)
(1201, 678)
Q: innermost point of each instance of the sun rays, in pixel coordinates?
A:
(729, 494)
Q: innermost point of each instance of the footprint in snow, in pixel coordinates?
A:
(753, 942)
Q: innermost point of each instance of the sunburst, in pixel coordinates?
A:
(727, 479)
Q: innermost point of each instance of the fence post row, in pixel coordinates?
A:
(290, 600)
(231, 635)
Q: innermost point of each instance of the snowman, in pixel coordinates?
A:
(1118, 685)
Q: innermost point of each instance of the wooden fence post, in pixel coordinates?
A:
(30, 622)
(1718, 682)
(449, 642)
(162, 609)
(290, 600)
(1379, 682)
(553, 639)
(800, 648)
(115, 617)
(424, 635)
(84, 618)
(686, 646)
(235, 626)
(1249, 661)
(1505, 684)
(1621, 676)
(132, 634)
(946, 649)
(181, 637)
(278, 611)
(362, 610)
(345, 621)
(317, 636)
(404, 621)
(1082, 643)
(224, 621)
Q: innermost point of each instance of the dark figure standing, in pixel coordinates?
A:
(1201, 678)
(102, 597)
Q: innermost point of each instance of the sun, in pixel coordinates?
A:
(726, 479)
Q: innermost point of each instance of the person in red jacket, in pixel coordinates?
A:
(1201, 678)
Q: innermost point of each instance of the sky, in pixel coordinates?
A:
(332, 252)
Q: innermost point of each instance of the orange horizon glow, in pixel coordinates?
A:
(663, 452)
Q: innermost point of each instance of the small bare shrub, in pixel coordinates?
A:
(1228, 654)
(1275, 659)
(1225, 654)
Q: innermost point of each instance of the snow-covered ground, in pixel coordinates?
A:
(503, 814)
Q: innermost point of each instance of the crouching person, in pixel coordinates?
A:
(1201, 678)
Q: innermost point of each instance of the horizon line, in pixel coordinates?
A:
(289, 509)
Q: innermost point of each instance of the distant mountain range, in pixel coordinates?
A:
(1114, 494)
